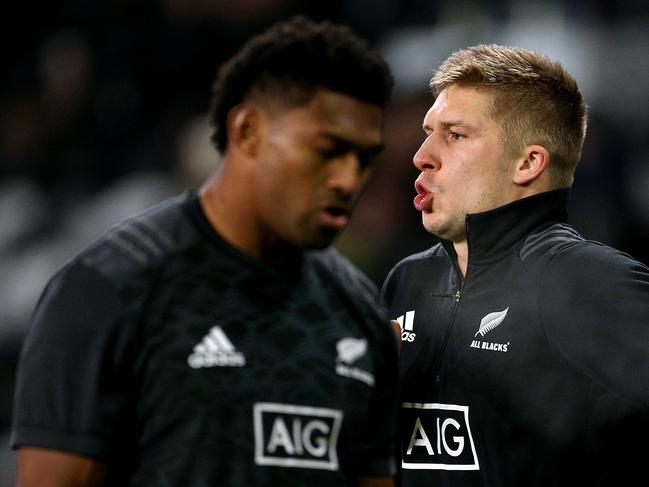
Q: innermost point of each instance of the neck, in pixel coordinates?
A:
(462, 252)
(229, 213)
(494, 232)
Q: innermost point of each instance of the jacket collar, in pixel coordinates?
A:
(495, 233)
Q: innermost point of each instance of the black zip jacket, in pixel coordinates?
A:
(534, 369)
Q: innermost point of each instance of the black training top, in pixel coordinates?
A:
(180, 361)
(534, 370)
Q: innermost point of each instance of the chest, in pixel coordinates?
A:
(280, 373)
(484, 329)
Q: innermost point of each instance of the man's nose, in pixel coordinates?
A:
(426, 157)
(347, 175)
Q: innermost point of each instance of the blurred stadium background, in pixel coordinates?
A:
(103, 112)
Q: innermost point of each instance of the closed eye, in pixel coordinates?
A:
(366, 157)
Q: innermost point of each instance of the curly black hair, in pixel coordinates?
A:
(291, 60)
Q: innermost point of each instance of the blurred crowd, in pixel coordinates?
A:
(103, 112)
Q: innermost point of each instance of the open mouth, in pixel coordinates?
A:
(424, 199)
(337, 211)
(336, 216)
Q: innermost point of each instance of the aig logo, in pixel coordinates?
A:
(437, 437)
(287, 435)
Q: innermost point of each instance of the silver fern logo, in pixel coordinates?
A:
(491, 321)
(349, 351)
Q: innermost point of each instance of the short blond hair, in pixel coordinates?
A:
(535, 101)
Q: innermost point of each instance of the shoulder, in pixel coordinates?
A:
(592, 270)
(78, 287)
(346, 273)
(77, 307)
(143, 241)
(362, 295)
(562, 255)
(411, 275)
(414, 260)
(592, 303)
(586, 285)
(543, 244)
(418, 264)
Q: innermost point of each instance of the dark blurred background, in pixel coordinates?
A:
(103, 112)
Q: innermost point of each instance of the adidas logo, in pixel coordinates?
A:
(407, 323)
(215, 350)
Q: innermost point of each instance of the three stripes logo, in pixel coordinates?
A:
(215, 350)
(407, 324)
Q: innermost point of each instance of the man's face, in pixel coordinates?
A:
(313, 161)
(461, 162)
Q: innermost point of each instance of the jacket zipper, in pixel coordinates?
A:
(457, 296)
(447, 333)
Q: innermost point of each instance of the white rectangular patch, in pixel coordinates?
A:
(288, 435)
(437, 436)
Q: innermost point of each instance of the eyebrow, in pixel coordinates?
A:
(348, 143)
(450, 123)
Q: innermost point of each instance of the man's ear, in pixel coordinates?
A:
(534, 163)
(244, 129)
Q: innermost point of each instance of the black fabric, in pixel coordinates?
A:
(534, 369)
(178, 360)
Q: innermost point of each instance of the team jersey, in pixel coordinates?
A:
(531, 371)
(180, 361)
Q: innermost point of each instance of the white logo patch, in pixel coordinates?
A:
(407, 324)
(437, 437)
(487, 324)
(215, 350)
(491, 321)
(288, 435)
(349, 351)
